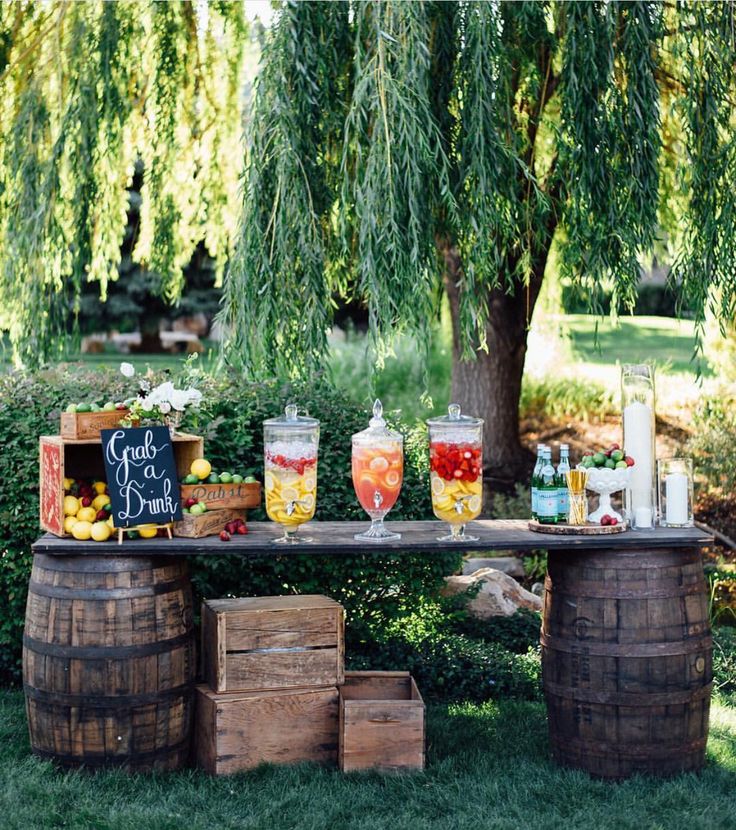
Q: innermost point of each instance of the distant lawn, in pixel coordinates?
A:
(487, 768)
(666, 341)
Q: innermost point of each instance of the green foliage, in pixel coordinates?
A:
(86, 89)
(563, 398)
(373, 587)
(724, 659)
(712, 445)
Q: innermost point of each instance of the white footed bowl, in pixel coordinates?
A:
(605, 481)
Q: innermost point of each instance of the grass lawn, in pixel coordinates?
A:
(487, 768)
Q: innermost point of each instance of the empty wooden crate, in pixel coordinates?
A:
(272, 642)
(381, 722)
(240, 730)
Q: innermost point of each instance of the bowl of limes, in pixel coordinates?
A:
(609, 472)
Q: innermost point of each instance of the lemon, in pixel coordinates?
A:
(270, 481)
(110, 523)
(71, 506)
(69, 523)
(307, 502)
(101, 531)
(68, 483)
(438, 486)
(379, 464)
(82, 530)
(100, 501)
(100, 487)
(289, 494)
(201, 468)
(148, 531)
(310, 483)
(474, 504)
(86, 514)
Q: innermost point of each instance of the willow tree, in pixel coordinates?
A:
(87, 90)
(400, 150)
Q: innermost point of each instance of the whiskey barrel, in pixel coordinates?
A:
(627, 661)
(108, 661)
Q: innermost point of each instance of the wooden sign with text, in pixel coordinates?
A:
(141, 475)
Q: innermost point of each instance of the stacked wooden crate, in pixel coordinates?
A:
(277, 692)
(272, 666)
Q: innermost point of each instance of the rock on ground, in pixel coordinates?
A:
(499, 596)
(511, 565)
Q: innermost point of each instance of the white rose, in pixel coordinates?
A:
(127, 370)
(164, 407)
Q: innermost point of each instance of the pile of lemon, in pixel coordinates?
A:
(81, 521)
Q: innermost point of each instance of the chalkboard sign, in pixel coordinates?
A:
(141, 475)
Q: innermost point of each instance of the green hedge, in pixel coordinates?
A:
(374, 588)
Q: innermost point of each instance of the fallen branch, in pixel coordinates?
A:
(726, 540)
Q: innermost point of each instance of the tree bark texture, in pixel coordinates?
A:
(489, 387)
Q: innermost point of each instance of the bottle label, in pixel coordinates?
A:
(535, 498)
(547, 504)
(563, 502)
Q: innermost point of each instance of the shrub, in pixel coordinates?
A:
(712, 444)
(373, 587)
(724, 659)
(565, 398)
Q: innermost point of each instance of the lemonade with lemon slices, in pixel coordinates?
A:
(456, 470)
(291, 488)
(290, 475)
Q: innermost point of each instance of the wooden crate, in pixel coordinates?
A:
(272, 642)
(206, 524)
(381, 722)
(217, 496)
(78, 425)
(240, 730)
(61, 458)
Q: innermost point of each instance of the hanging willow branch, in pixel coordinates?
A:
(87, 89)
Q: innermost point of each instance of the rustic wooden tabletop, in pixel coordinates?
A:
(336, 538)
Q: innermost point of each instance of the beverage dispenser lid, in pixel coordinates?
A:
(454, 418)
(377, 426)
(290, 419)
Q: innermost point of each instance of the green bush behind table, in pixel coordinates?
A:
(374, 588)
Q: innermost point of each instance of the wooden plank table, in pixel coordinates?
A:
(625, 633)
(336, 538)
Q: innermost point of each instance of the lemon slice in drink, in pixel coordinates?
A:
(378, 464)
(309, 483)
(270, 481)
(307, 502)
(289, 494)
(438, 486)
(474, 504)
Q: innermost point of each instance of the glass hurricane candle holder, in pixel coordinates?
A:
(676, 492)
(456, 471)
(290, 445)
(638, 415)
(378, 470)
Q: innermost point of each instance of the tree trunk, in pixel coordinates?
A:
(489, 387)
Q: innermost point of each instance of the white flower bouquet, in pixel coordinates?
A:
(162, 404)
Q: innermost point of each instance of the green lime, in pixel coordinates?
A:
(213, 478)
(226, 478)
(191, 479)
(133, 534)
(599, 459)
(621, 465)
(84, 407)
(237, 479)
(610, 464)
(71, 408)
(251, 480)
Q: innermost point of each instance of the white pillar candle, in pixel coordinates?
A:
(676, 496)
(642, 517)
(639, 441)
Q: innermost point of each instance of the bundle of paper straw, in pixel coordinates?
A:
(576, 481)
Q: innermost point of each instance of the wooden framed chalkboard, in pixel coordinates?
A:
(141, 476)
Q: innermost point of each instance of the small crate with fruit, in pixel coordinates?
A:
(85, 420)
(219, 490)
